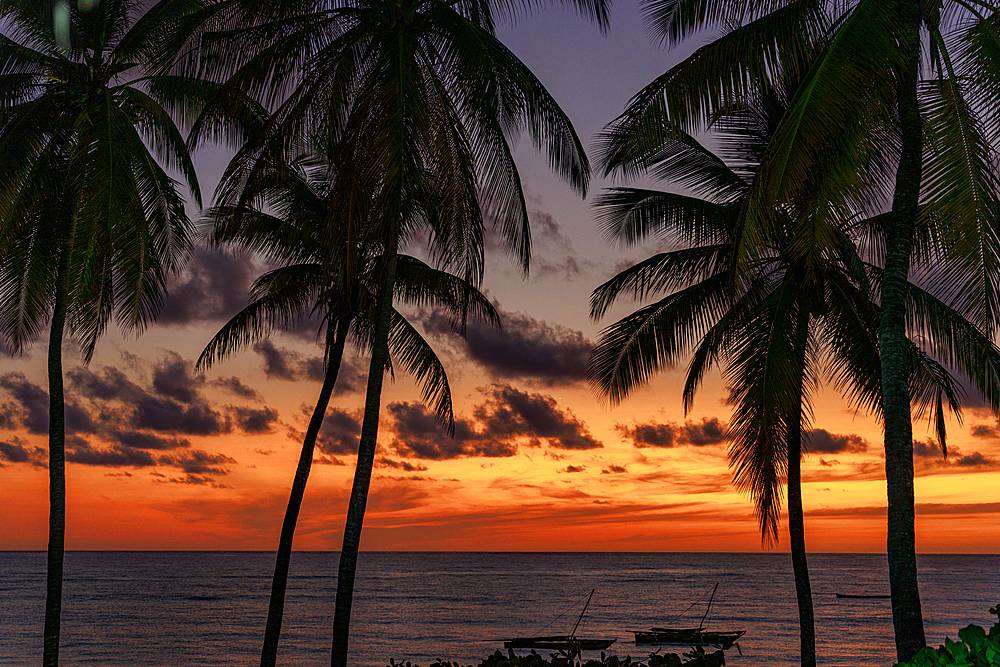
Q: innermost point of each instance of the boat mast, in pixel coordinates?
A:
(702, 624)
(573, 634)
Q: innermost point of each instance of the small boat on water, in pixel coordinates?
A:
(569, 644)
(694, 637)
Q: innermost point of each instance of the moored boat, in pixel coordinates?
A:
(569, 644)
(694, 637)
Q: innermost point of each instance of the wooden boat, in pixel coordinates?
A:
(863, 597)
(569, 644)
(694, 637)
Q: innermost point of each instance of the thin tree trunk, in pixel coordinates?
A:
(276, 608)
(796, 524)
(57, 460)
(901, 544)
(366, 462)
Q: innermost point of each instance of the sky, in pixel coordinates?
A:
(163, 457)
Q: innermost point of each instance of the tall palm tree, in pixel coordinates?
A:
(871, 130)
(772, 330)
(412, 92)
(90, 222)
(291, 207)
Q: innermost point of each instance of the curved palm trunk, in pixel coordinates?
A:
(57, 461)
(276, 608)
(901, 543)
(366, 462)
(796, 524)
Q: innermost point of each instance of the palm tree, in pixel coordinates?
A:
(91, 223)
(409, 92)
(772, 330)
(285, 226)
(866, 127)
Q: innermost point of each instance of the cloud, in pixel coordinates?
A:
(30, 409)
(821, 441)
(340, 432)
(18, 453)
(420, 435)
(116, 456)
(506, 419)
(666, 435)
(199, 462)
(173, 406)
(236, 387)
(573, 469)
(525, 348)
(254, 420)
(212, 288)
(139, 440)
(612, 469)
(401, 465)
(511, 413)
(283, 364)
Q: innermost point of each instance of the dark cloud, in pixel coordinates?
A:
(236, 387)
(18, 453)
(283, 364)
(573, 469)
(613, 470)
(401, 465)
(511, 413)
(506, 419)
(199, 462)
(340, 433)
(976, 460)
(709, 431)
(213, 287)
(927, 449)
(420, 435)
(30, 409)
(172, 378)
(525, 348)
(254, 420)
(198, 480)
(175, 410)
(32, 402)
(169, 416)
(139, 440)
(116, 456)
(821, 441)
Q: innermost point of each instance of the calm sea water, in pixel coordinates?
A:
(169, 609)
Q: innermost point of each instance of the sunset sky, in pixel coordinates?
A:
(161, 457)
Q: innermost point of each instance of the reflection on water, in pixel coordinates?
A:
(194, 609)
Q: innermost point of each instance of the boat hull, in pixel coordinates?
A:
(558, 643)
(687, 637)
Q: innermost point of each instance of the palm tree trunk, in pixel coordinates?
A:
(796, 524)
(57, 460)
(366, 462)
(276, 608)
(901, 543)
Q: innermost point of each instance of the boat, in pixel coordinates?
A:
(693, 637)
(850, 596)
(569, 644)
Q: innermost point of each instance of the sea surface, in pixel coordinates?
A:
(200, 609)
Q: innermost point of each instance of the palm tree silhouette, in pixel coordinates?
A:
(91, 224)
(290, 206)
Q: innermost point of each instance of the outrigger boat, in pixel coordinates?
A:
(693, 637)
(569, 644)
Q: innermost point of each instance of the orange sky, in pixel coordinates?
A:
(164, 458)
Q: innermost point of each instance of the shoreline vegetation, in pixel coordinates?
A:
(697, 657)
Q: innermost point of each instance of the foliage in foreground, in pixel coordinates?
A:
(975, 648)
(697, 658)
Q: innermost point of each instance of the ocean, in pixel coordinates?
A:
(201, 609)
